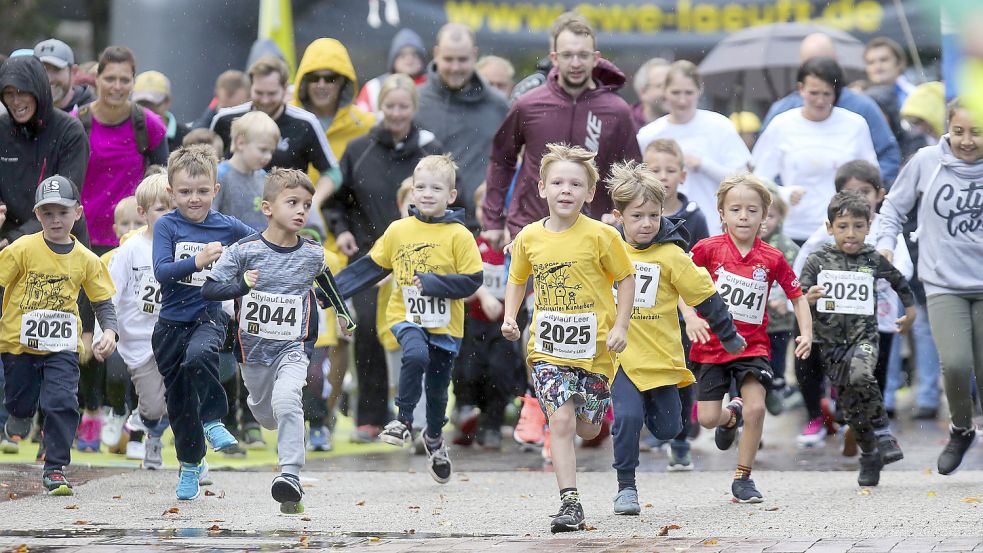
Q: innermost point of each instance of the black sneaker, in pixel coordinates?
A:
(724, 436)
(569, 519)
(396, 433)
(870, 469)
(438, 462)
(18, 429)
(889, 449)
(745, 492)
(952, 455)
(55, 482)
(775, 398)
(286, 489)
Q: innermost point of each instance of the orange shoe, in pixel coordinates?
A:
(547, 450)
(529, 430)
(604, 433)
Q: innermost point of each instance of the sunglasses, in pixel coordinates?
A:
(329, 78)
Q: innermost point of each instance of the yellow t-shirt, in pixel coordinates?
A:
(38, 284)
(574, 271)
(410, 246)
(663, 274)
(104, 258)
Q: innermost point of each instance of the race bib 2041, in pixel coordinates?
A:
(746, 298)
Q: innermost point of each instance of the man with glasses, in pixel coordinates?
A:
(302, 138)
(579, 105)
(461, 109)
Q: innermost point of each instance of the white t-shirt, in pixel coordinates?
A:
(137, 298)
(807, 154)
(712, 137)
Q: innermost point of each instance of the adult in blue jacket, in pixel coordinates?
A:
(885, 145)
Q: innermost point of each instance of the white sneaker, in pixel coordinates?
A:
(135, 451)
(135, 423)
(153, 455)
(112, 428)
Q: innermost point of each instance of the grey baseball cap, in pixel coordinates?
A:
(56, 190)
(55, 52)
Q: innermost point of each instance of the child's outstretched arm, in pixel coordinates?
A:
(361, 275)
(618, 335)
(229, 278)
(714, 311)
(448, 286)
(513, 300)
(803, 316)
(328, 294)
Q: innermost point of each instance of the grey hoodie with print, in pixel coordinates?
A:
(950, 218)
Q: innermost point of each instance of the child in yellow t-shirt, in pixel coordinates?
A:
(576, 327)
(41, 275)
(652, 368)
(435, 263)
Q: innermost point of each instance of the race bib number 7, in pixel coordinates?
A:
(426, 311)
(566, 335)
(745, 297)
(846, 293)
(184, 250)
(46, 330)
(271, 316)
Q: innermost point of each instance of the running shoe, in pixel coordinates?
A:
(136, 451)
(287, 489)
(439, 462)
(153, 458)
(366, 434)
(396, 433)
(570, 518)
(465, 425)
(529, 431)
(889, 449)
(112, 432)
(188, 485)
(813, 434)
(870, 469)
(252, 437)
(744, 491)
(679, 460)
(959, 443)
(218, 436)
(626, 502)
(724, 436)
(55, 482)
(319, 439)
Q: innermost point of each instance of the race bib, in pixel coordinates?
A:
(271, 316)
(426, 311)
(646, 283)
(745, 297)
(149, 294)
(495, 280)
(46, 330)
(566, 335)
(846, 293)
(184, 250)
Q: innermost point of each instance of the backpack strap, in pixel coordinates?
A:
(138, 118)
(85, 116)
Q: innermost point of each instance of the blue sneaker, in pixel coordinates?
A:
(218, 436)
(187, 484)
(319, 439)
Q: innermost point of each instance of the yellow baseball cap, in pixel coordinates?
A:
(151, 86)
(927, 102)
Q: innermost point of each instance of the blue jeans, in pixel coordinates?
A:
(658, 409)
(424, 366)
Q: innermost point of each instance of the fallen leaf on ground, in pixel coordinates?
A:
(373, 538)
(80, 522)
(772, 509)
(411, 531)
(590, 528)
(927, 471)
(710, 541)
(209, 493)
(22, 548)
(414, 507)
(216, 520)
(463, 478)
(649, 505)
(11, 495)
(171, 511)
(72, 506)
(305, 518)
(214, 528)
(664, 531)
(863, 491)
(360, 503)
(117, 497)
(304, 541)
(970, 500)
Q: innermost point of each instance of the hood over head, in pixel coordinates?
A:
(962, 169)
(27, 73)
(404, 38)
(326, 54)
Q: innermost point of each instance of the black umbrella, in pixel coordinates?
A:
(759, 64)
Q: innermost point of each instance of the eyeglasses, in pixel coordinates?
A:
(329, 78)
(569, 56)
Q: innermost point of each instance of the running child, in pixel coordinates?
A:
(652, 369)
(41, 275)
(273, 271)
(435, 264)
(743, 268)
(190, 330)
(840, 284)
(138, 303)
(576, 327)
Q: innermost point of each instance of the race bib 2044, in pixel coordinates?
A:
(272, 316)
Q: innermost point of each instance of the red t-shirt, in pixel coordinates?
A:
(743, 282)
(493, 262)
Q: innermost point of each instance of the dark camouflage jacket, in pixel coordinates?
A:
(835, 328)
